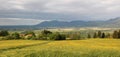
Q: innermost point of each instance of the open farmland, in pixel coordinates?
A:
(67, 48)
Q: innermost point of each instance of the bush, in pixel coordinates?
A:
(75, 36)
(44, 35)
(46, 32)
(57, 36)
(40, 37)
(16, 35)
(3, 38)
(4, 33)
(6, 38)
(9, 37)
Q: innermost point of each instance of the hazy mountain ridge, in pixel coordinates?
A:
(54, 23)
(112, 23)
(69, 24)
(109, 23)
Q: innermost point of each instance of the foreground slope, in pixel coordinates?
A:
(69, 48)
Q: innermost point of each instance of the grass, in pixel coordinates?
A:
(68, 48)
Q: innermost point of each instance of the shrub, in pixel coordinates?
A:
(4, 33)
(3, 38)
(46, 32)
(40, 37)
(6, 38)
(16, 35)
(75, 36)
(57, 36)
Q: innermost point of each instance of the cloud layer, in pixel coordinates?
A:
(17, 21)
(60, 9)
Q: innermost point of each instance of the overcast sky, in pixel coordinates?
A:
(29, 12)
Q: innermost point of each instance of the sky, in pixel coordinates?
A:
(31, 12)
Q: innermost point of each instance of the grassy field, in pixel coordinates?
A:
(68, 48)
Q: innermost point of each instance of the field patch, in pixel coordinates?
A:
(67, 48)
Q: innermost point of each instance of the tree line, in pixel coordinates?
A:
(48, 35)
(30, 35)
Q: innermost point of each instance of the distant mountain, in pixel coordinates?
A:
(112, 23)
(50, 24)
(109, 23)
(69, 24)
(20, 27)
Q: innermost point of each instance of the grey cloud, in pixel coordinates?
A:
(60, 9)
(18, 21)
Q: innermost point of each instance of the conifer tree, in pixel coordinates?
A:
(95, 35)
(103, 35)
(115, 34)
(89, 36)
(99, 34)
(119, 34)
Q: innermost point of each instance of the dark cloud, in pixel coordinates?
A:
(60, 9)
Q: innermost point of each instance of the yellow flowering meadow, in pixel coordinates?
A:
(67, 48)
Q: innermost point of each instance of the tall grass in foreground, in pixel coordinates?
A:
(92, 53)
(72, 48)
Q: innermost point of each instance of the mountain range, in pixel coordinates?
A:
(109, 23)
(54, 23)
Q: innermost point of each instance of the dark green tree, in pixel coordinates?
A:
(103, 35)
(89, 36)
(99, 34)
(119, 34)
(46, 32)
(57, 36)
(95, 35)
(16, 35)
(115, 34)
(4, 33)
